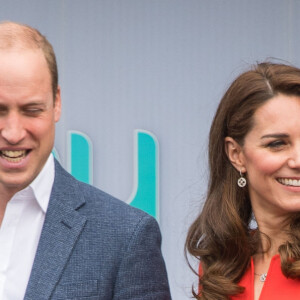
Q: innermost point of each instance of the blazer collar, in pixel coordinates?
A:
(62, 227)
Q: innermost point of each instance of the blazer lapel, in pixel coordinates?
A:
(62, 227)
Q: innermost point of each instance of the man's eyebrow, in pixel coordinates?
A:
(275, 135)
(34, 103)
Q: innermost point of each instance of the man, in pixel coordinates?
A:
(60, 238)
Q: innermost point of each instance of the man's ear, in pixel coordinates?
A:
(235, 154)
(57, 105)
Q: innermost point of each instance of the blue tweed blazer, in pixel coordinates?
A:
(93, 246)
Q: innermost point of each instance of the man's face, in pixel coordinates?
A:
(27, 117)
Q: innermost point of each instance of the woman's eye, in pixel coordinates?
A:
(276, 144)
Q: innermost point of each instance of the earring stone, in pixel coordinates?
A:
(242, 181)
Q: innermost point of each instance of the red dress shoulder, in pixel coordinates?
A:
(276, 286)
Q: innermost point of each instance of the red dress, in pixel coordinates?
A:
(276, 286)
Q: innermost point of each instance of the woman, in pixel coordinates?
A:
(254, 158)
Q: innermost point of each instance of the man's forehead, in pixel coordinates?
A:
(14, 35)
(20, 66)
(19, 53)
(17, 44)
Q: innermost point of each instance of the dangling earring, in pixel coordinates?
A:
(242, 180)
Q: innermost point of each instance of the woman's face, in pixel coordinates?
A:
(271, 157)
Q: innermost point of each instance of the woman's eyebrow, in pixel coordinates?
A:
(275, 135)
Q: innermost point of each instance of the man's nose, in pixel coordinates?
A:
(12, 129)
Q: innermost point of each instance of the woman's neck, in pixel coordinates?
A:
(273, 233)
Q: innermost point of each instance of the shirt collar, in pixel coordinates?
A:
(42, 184)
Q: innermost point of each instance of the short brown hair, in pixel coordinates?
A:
(23, 36)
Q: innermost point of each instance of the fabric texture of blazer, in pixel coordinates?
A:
(93, 246)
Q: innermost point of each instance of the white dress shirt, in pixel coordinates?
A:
(20, 233)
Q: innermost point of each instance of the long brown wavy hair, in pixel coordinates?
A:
(221, 236)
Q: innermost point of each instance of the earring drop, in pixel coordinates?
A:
(242, 180)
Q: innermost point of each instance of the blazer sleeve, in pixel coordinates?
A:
(142, 273)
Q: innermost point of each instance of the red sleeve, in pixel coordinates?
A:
(200, 272)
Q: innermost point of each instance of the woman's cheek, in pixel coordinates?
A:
(267, 163)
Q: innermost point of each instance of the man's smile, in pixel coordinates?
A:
(13, 155)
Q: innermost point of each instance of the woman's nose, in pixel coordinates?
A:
(294, 159)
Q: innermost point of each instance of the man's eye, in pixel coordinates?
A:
(3, 110)
(32, 111)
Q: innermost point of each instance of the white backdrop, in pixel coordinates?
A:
(161, 66)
